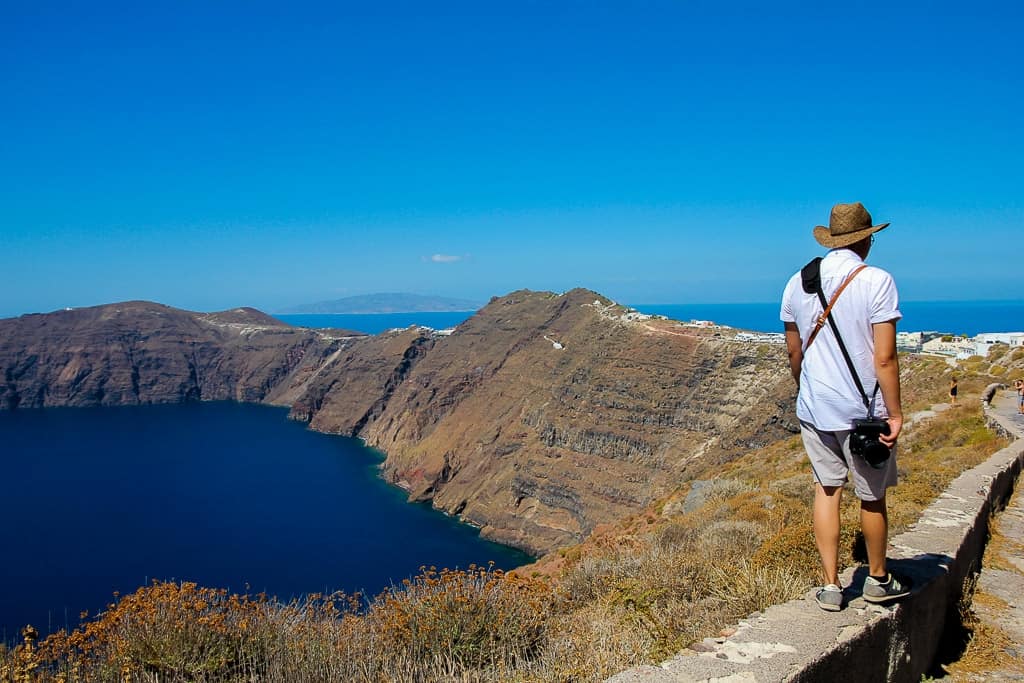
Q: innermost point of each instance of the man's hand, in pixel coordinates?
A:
(895, 427)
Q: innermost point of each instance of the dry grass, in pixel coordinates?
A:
(934, 454)
(475, 625)
(1001, 547)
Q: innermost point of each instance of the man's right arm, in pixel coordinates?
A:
(795, 348)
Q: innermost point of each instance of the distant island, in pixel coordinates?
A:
(384, 303)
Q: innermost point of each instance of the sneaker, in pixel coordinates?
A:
(896, 587)
(830, 598)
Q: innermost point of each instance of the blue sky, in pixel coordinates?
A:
(210, 155)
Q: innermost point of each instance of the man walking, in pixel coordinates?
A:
(841, 362)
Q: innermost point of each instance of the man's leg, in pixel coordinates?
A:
(874, 522)
(826, 529)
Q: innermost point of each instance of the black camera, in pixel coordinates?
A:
(864, 441)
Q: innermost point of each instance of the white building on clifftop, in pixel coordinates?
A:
(1011, 339)
(984, 341)
(960, 347)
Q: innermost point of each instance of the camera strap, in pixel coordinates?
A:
(813, 279)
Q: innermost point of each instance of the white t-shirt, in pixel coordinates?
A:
(828, 397)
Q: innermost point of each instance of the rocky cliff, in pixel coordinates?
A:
(545, 415)
(140, 352)
(537, 419)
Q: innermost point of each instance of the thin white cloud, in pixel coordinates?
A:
(445, 258)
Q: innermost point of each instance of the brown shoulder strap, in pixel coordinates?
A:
(820, 322)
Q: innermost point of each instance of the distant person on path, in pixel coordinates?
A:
(1019, 386)
(829, 398)
(952, 392)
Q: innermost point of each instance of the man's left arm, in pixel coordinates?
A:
(887, 370)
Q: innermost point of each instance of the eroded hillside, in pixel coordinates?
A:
(545, 415)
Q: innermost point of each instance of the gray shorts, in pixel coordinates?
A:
(831, 460)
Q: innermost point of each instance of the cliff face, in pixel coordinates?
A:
(539, 418)
(359, 381)
(538, 444)
(140, 352)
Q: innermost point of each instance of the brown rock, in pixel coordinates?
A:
(140, 352)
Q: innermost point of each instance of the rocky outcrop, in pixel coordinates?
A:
(139, 352)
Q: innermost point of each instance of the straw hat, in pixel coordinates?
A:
(849, 223)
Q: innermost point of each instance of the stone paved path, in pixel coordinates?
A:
(1006, 611)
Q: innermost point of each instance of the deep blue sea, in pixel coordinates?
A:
(956, 317)
(96, 500)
